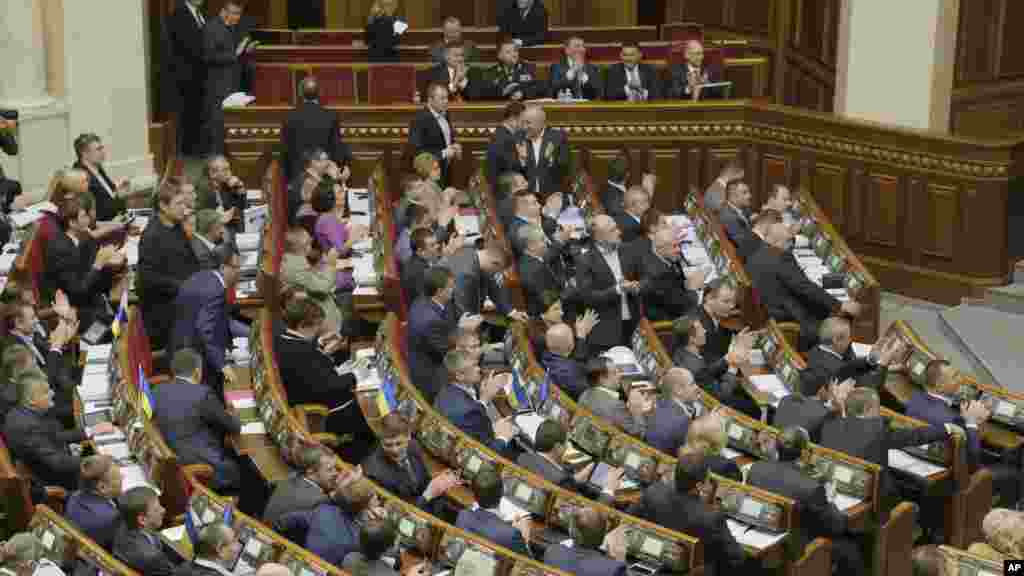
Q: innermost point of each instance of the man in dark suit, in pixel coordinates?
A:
(786, 292)
(541, 272)
(485, 522)
(166, 260)
(735, 213)
(426, 251)
(818, 516)
(185, 70)
(525, 21)
(463, 82)
(51, 355)
(565, 358)
(666, 291)
(547, 151)
(677, 508)
(511, 78)
(863, 433)
(602, 398)
(202, 320)
(221, 53)
(602, 276)
(138, 543)
(631, 79)
(528, 212)
(719, 377)
(689, 76)
(93, 508)
(397, 465)
(38, 439)
(303, 354)
(669, 422)
(208, 240)
(502, 152)
(318, 476)
(215, 553)
(613, 198)
(382, 38)
(431, 130)
(759, 227)
(585, 558)
(464, 402)
(636, 203)
(818, 402)
(223, 191)
(451, 34)
(574, 74)
(193, 420)
(834, 357)
(332, 528)
(309, 126)
(549, 444)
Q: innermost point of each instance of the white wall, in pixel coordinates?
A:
(896, 61)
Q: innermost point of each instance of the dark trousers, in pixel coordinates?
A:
(189, 119)
(847, 557)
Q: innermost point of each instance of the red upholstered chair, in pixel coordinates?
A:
(391, 83)
(604, 52)
(327, 37)
(272, 85)
(542, 55)
(682, 32)
(337, 84)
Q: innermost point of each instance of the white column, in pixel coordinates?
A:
(896, 61)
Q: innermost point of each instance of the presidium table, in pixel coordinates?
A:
(926, 212)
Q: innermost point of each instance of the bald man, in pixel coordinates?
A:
(565, 368)
(544, 153)
(679, 405)
(688, 76)
(310, 126)
(608, 281)
(667, 292)
(271, 569)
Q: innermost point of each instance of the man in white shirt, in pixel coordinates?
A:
(463, 82)
(689, 77)
(431, 130)
(608, 282)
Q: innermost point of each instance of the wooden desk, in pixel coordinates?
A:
(257, 447)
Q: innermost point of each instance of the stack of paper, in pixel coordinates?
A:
(510, 511)
(750, 536)
(770, 384)
(133, 476)
(860, 350)
(255, 217)
(902, 461)
(247, 242)
(94, 387)
(845, 502)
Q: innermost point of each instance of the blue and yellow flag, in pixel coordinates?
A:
(145, 394)
(386, 401)
(520, 396)
(121, 318)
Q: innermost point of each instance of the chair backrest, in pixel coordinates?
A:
(337, 84)
(391, 84)
(973, 504)
(815, 561)
(275, 86)
(895, 540)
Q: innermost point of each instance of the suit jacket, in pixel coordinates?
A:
(667, 426)
(107, 206)
(426, 135)
(465, 412)
(567, 373)
(301, 362)
(439, 52)
(331, 532)
(612, 199)
(936, 412)
(679, 83)
(166, 260)
(487, 524)
(718, 339)
(476, 87)
(537, 277)
(498, 78)
(209, 259)
(606, 404)
(785, 290)
(210, 196)
(430, 329)
(615, 86)
(41, 443)
(59, 368)
(398, 480)
(818, 517)
(530, 30)
(593, 89)
(144, 555)
(736, 224)
(599, 289)
(583, 561)
(94, 515)
(502, 157)
(69, 267)
(413, 272)
(807, 412)
(185, 35)
(223, 74)
(194, 422)
(356, 563)
(202, 319)
(308, 126)
(193, 569)
(661, 504)
(663, 289)
(847, 366)
(546, 173)
(630, 227)
(473, 286)
(291, 495)
(707, 375)
(381, 40)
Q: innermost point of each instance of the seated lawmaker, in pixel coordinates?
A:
(525, 22)
(224, 192)
(485, 521)
(204, 321)
(166, 260)
(109, 193)
(215, 553)
(376, 537)
(585, 557)
(819, 517)
(574, 75)
(785, 290)
(138, 543)
(194, 421)
(689, 77)
(451, 35)
(465, 399)
(720, 377)
(464, 82)
(52, 355)
(382, 38)
(316, 478)
(331, 529)
(707, 435)
(39, 440)
(549, 444)
(566, 356)
(602, 398)
(684, 505)
(818, 402)
(318, 279)
(666, 290)
(315, 163)
(93, 507)
(679, 405)
(511, 78)
(631, 79)
(397, 465)
(335, 230)
(834, 357)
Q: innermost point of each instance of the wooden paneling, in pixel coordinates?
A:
(707, 12)
(599, 160)
(976, 40)
(775, 170)
(753, 17)
(938, 206)
(670, 166)
(1011, 50)
(829, 191)
(884, 211)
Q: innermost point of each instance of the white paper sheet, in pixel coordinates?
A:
(770, 384)
(844, 502)
(254, 428)
(510, 511)
(750, 536)
(175, 534)
(528, 424)
(400, 27)
(860, 349)
(900, 460)
(132, 476)
(117, 451)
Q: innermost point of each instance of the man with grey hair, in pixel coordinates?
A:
(544, 153)
(224, 192)
(679, 405)
(215, 554)
(834, 357)
(273, 569)
(667, 291)
(607, 282)
(451, 31)
(208, 239)
(539, 273)
(464, 399)
(23, 556)
(689, 77)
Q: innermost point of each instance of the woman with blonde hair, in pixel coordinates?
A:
(1004, 535)
(707, 436)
